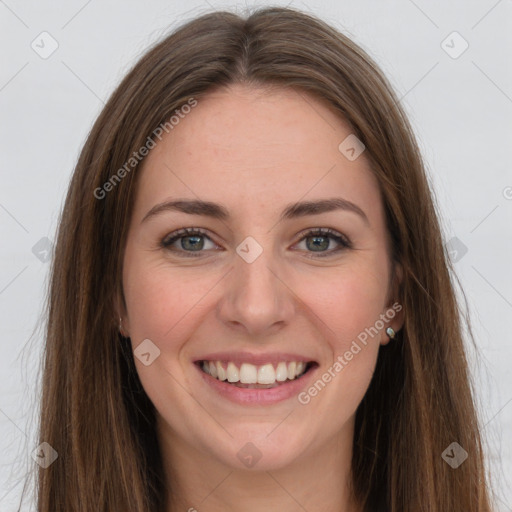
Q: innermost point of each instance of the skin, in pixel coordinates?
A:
(255, 152)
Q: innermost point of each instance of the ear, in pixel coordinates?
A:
(120, 314)
(393, 314)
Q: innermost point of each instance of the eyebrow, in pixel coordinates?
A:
(292, 211)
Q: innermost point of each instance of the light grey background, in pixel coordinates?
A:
(460, 108)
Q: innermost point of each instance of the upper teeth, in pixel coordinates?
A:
(251, 374)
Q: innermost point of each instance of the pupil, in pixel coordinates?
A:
(318, 242)
(192, 246)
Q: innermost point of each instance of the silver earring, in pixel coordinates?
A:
(390, 332)
(120, 327)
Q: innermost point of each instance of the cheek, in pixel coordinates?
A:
(162, 303)
(349, 307)
(347, 301)
(349, 304)
(349, 312)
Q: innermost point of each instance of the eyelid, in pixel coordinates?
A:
(170, 238)
(343, 241)
(324, 232)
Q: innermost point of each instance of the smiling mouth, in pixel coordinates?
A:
(251, 376)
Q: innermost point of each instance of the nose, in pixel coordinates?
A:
(256, 300)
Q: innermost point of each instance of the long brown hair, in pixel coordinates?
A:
(94, 411)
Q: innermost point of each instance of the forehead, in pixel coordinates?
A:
(249, 147)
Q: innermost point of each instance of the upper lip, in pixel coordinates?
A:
(255, 359)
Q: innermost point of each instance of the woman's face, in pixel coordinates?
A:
(258, 287)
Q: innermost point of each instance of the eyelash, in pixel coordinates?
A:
(320, 232)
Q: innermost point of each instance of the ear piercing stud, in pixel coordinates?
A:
(390, 332)
(121, 328)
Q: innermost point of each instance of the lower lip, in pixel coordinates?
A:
(269, 396)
